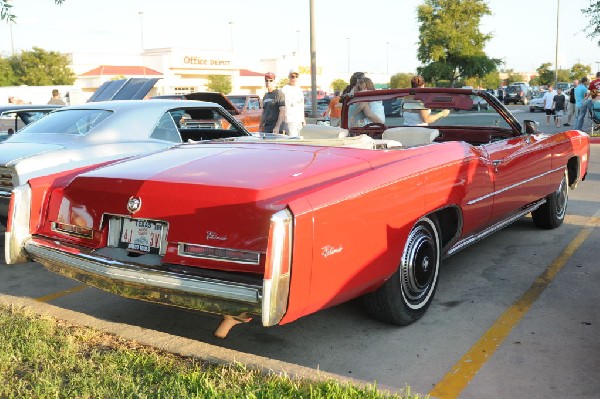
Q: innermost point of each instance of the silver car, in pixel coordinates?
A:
(537, 103)
(92, 133)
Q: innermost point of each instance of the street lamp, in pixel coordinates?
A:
(141, 14)
(598, 66)
(231, 35)
(297, 41)
(348, 54)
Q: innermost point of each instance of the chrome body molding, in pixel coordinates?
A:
(137, 281)
(476, 200)
(472, 239)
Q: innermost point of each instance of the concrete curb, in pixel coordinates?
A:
(180, 345)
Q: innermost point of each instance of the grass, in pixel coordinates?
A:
(41, 357)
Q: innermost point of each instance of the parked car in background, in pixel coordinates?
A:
(537, 103)
(280, 227)
(246, 109)
(518, 93)
(13, 117)
(393, 107)
(92, 133)
(479, 103)
(322, 105)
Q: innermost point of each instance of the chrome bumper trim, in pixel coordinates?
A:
(472, 239)
(140, 282)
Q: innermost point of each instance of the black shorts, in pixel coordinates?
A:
(549, 112)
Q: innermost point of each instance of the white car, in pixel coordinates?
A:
(537, 102)
(93, 133)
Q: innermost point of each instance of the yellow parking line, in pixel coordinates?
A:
(51, 297)
(461, 374)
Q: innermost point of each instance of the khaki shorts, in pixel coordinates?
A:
(571, 110)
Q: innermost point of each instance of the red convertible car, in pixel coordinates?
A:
(282, 227)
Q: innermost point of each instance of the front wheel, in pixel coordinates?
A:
(552, 213)
(407, 294)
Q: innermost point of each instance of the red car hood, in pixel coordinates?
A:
(227, 189)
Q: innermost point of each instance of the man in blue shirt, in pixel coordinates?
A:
(581, 106)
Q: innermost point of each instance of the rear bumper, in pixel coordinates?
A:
(146, 283)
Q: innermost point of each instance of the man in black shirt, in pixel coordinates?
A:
(273, 107)
(558, 105)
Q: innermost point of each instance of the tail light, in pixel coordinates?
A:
(18, 226)
(276, 283)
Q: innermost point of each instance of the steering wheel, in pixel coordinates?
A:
(375, 124)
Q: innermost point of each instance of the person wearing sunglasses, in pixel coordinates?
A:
(273, 113)
(294, 106)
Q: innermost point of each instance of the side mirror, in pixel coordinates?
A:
(531, 127)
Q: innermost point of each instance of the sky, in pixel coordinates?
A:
(375, 36)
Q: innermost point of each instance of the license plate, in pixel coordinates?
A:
(141, 235)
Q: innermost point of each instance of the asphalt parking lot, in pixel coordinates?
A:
(515, 316)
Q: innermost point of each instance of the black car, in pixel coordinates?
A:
(14, 117)
(517, 93)
(393, 107)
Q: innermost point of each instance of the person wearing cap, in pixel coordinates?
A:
(273, 113)
(294, 106)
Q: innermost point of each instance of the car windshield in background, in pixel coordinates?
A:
(237, 102)
(72, 121)
(465, 110)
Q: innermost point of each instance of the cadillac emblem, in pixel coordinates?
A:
(134, 204)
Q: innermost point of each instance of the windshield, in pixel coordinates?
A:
(71, 121)
(440, 109)
(238, 102)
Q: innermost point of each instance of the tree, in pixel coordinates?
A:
(41, 68)
(5, 10)
(450, 42)
(339, 85)
(400, 80)
(219, 84)
(7, 77)
(579, 70)
(593, 13)
(545, 74)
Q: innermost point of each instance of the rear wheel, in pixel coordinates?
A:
(552, 214)
(405, 297)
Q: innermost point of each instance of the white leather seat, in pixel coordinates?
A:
(411, 136)
(322, 132)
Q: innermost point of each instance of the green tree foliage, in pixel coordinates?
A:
(41, 68)
(6, 10)
(450, 42)
(545, 74)
(593, 13)
(400, 80)
(7, 77)
(339, 85)
(579, 70)
(219, 84)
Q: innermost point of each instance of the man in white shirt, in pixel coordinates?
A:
(548, 100)
(294, 106)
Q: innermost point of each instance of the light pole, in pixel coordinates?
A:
(598, 66)
(141, 14)
(387, 58)
(348, 54)
(231, 35)
(556, 50)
